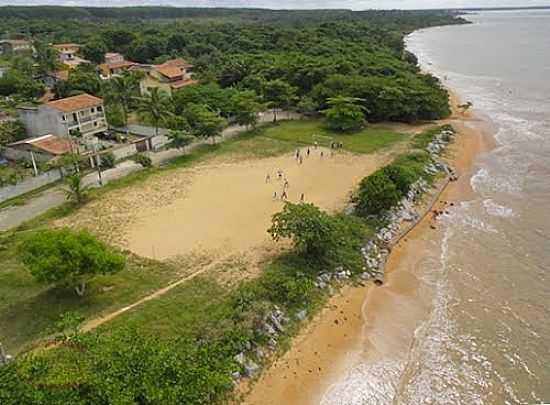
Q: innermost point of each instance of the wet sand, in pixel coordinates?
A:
(381, 319)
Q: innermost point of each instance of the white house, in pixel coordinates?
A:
(82, 115)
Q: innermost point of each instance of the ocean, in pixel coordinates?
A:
(483, 336)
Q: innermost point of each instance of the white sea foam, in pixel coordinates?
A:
(497, 210)
(483, 180)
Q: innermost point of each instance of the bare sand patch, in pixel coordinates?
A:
(221, 207)
(228, 206)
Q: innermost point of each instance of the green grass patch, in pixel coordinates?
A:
(28, 309)
(306, 132)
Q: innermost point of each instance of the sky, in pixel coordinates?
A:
(295, 4)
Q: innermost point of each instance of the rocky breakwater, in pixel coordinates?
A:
(405, 215)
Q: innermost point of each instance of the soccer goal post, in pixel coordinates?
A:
(322, 139)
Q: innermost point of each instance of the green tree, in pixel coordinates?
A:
(309, 228)
(77, 191)
(45, 56)
(11, 131)
(17, 83)
(377, 193)
(62, 256)
(208, 124)
(122, 91)
(246, 106)
(279, 95)
(94, 50)
(180, 139)
(156, 106)
(344, 114)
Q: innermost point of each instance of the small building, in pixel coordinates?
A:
(41, 149)
(169, 76)
(67, 51)
(80, 116)
(68, 54)
(114, 65)
(113, 57)
(8, 46)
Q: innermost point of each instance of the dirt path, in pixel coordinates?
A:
(94, 323)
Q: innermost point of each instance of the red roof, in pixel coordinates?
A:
(182, 83)
(75, 103)
(172, 72)
(54, 145)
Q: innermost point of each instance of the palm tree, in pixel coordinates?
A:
(77, 191)
(155, 104)
(122, 90)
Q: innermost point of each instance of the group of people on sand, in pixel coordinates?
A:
(284, 195)
(299, 155)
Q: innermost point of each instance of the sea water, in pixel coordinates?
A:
(485, 338)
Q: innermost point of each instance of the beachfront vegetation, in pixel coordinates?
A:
(377, 193)
(65, 257)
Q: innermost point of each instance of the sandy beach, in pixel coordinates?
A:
(368, 322)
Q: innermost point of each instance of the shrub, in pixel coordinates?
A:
(107, 160)
(143, 160)
(403, 177)
(377, 193)
(7, 176)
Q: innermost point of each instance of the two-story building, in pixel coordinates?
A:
(169, 76)
(79, 116)
(114, 65)
(68, 54)
(8, 46)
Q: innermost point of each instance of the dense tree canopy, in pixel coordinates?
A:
(64, 256)
(292, 59)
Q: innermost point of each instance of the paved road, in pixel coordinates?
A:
(14, 216)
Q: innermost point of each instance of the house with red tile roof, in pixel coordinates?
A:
(41, 149)
(80, 116)
(168, 76)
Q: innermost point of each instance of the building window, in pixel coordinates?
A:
(93, 110)
(95, 123)
(99, 108)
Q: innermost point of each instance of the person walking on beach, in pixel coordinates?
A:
(308, 152)
(315, 144)
(286, 184)
(301, 160)
(274, 195)
(279, 174)
(322, 154)
(267, 178)
(297, 154)
(284, 196)
(302, 197)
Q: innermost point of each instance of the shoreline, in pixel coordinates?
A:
(347, 330)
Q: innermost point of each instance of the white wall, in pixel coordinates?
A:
(29, 184)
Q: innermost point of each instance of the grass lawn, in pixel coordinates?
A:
(307, 132)
(28, 310)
